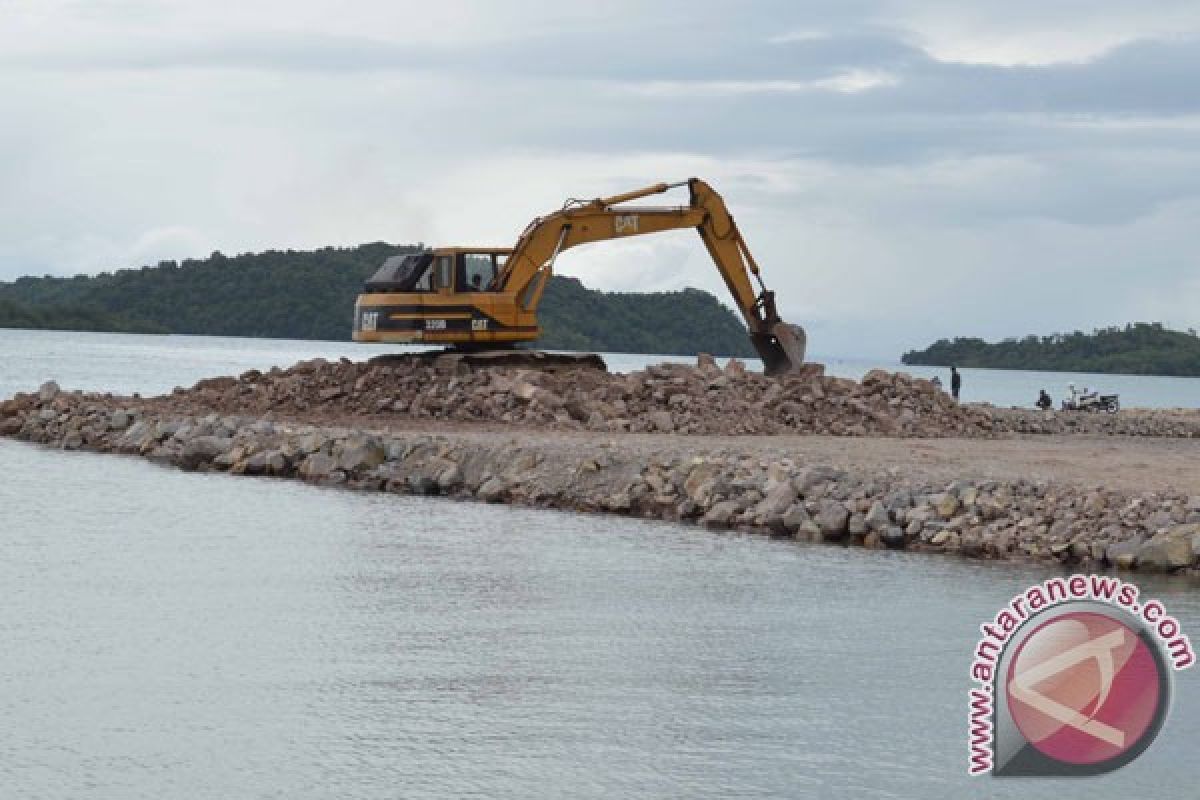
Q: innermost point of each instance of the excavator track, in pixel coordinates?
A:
(449, 359)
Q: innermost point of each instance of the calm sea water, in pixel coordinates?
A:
(201, 636)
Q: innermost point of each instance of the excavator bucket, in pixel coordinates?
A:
(782, 349)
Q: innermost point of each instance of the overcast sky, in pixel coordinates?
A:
(903, 171)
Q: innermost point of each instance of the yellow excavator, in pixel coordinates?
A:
(476, 299)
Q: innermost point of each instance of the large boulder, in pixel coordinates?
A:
(317, 466)
(1165, 552)
(893, 536)
(1124, 554)
(359, 454)
(833, 519)
(877, 517)
(267, 462)
(720, 515)
(201, 451)
(1168, 550)
(775, 504)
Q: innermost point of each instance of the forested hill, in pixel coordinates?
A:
(1137, 349)
(310, 295)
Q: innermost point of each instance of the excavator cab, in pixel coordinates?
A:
(472, 299)
(449, 295)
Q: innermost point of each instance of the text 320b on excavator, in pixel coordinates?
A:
(474, 299)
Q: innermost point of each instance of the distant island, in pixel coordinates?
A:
(70, 318)
(1142, 348)
(297, 294)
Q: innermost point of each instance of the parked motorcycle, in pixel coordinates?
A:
(1108, 403)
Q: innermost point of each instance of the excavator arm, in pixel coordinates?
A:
(527, 271)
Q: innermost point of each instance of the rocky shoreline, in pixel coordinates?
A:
(720, 488)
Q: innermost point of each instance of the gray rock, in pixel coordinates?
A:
(893, 536)
(946, 539)
(619, 502)
(811, 477)
(1166, 551)
(450, 478)
(808, 531)
(359, 454)
(317, 466)
(1158, 521)
(776, 503)
(1129, 548)
(857, 526)
(971, 542)
(898, 500)
(832, 519)
(48, 391)
(877, 517)
(493, 490)
(119, 420)
(720, 515)
(577, 410)
(202, 450)
(422, 484)
(267, 462)
(795, 516)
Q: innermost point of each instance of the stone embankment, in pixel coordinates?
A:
(664, 398)
(716, 487)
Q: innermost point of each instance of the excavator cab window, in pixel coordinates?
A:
(403, 273)
(477, 272)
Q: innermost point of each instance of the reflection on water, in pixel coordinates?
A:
(179, 635)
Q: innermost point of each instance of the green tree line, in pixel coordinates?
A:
(70, 318)
(1142, 348)
(294, 294)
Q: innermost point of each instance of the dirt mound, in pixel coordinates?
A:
(665, 398)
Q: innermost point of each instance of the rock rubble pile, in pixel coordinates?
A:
(664, 398)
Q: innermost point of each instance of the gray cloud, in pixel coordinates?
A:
(893, 196)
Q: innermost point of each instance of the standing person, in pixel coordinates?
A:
(955, 382)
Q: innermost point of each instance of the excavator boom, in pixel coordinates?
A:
(496, 292)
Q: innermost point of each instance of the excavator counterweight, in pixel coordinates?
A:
(474, 299)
